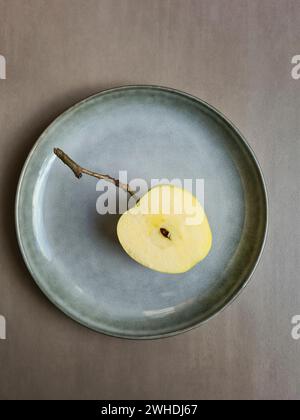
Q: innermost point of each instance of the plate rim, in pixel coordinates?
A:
(241, 137)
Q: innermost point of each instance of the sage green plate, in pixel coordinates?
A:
(73, 253)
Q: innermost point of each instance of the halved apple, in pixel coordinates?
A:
(166, 231)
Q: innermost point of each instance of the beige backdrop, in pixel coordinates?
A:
(235, 54)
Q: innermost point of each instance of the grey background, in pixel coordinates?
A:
(235, 54)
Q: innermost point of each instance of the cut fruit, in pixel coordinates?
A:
(166, 231)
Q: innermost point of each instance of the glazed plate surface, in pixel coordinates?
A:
(73, 252)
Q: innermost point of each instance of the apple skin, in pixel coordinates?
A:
(166, 231)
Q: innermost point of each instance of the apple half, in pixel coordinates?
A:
(166, 231)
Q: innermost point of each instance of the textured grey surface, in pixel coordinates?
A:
(237, 57)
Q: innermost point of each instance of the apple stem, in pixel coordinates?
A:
(79, 170)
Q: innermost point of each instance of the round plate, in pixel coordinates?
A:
(73, 252)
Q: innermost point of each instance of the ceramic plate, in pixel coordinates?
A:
(73, 252)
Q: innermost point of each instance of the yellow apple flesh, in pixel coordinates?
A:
(166, 231)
